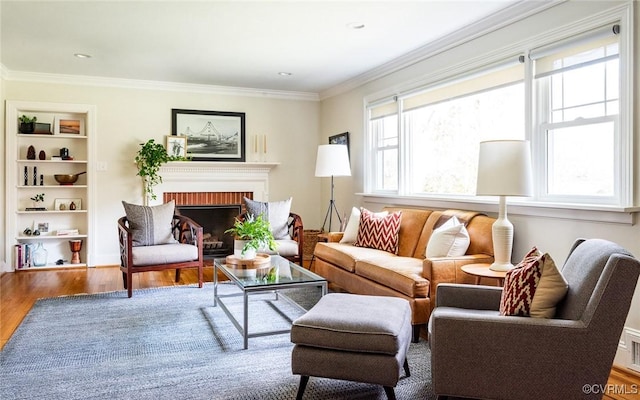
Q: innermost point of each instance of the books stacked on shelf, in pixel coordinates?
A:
(22, 256)
(67, 232)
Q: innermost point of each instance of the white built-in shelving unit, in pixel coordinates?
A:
(22, 185)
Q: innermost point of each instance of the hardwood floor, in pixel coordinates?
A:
(20, 290)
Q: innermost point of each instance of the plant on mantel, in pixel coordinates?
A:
(149, 159)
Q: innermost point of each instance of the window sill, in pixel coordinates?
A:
(579, 212)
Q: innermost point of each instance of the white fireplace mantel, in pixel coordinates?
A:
(209, 176)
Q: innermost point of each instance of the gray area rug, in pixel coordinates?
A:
(169, 343)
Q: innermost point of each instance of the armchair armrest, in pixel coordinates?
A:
(186, 230)
(125, 240)
(468, 296)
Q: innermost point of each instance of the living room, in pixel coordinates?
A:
(130, 112)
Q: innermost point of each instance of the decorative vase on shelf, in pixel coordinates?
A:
(39, 256)
(75, 246)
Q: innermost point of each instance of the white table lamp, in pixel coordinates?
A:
(504, 169)
(332, 160)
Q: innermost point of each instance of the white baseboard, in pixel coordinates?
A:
(628, 354)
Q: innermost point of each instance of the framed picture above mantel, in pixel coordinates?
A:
(211, 135)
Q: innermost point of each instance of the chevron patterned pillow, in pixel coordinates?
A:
(533, 288)
(379, 232)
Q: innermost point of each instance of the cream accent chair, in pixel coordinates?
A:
(186, 253)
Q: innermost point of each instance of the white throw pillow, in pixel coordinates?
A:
(449, 240)
(276, 212)
(351, 231)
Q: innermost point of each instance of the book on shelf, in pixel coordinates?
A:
(67, 232)
(22, 256)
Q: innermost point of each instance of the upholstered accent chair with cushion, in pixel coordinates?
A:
(154, 239)
(479, 352)
(286, 227)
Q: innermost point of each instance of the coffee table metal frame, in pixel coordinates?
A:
(261, 287)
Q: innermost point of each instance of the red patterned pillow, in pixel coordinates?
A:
(379, 232)
(533, 288)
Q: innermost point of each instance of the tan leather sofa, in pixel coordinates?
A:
(408, 274)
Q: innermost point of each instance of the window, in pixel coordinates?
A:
(441, 130)
(577, 87)
(565, 98)
(445, 137)
(383, 128)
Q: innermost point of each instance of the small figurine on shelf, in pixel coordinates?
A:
(72, 206)
(31, 153)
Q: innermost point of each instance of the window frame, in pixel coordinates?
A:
(538, 205)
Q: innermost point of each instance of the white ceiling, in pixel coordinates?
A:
(227, 43)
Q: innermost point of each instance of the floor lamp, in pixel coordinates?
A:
(504, 169)
(332, 160)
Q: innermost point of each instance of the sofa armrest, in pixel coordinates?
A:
(468, 296)
(447, 270)
(333, 237)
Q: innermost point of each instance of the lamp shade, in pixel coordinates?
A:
(504, 168)
(332, 160)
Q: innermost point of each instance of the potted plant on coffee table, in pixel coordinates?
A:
(254, 233)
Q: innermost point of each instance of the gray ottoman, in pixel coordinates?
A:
(353, 337)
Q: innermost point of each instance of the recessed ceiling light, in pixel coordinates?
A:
(80, 55)
(285, 73)
(355, 25)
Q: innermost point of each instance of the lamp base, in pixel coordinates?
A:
(501, 267)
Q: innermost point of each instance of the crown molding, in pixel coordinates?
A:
(154, 85)
(500, 19)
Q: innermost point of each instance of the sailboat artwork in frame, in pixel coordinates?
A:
(211, 135)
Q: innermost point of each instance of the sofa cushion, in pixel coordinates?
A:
(164, 254)
(150, 225)
(276, 212)
(451, 239)
(533, 288)
(403, 274)
(351, 231)
(345, 255)
(379, 232)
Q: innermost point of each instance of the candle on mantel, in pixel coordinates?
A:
(264, 148)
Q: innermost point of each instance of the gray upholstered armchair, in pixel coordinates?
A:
(477, 353)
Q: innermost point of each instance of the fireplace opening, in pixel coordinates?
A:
(214, 219)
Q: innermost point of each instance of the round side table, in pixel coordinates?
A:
(482, 271)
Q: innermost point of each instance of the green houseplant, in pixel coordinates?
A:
(27, 124)
(149, 159)
(256, 232)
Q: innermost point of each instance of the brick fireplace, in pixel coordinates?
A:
(211, 193)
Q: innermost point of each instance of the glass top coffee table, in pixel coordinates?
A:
(281, 274)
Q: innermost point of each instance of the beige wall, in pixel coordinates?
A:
(554, 235)
(128, 117)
